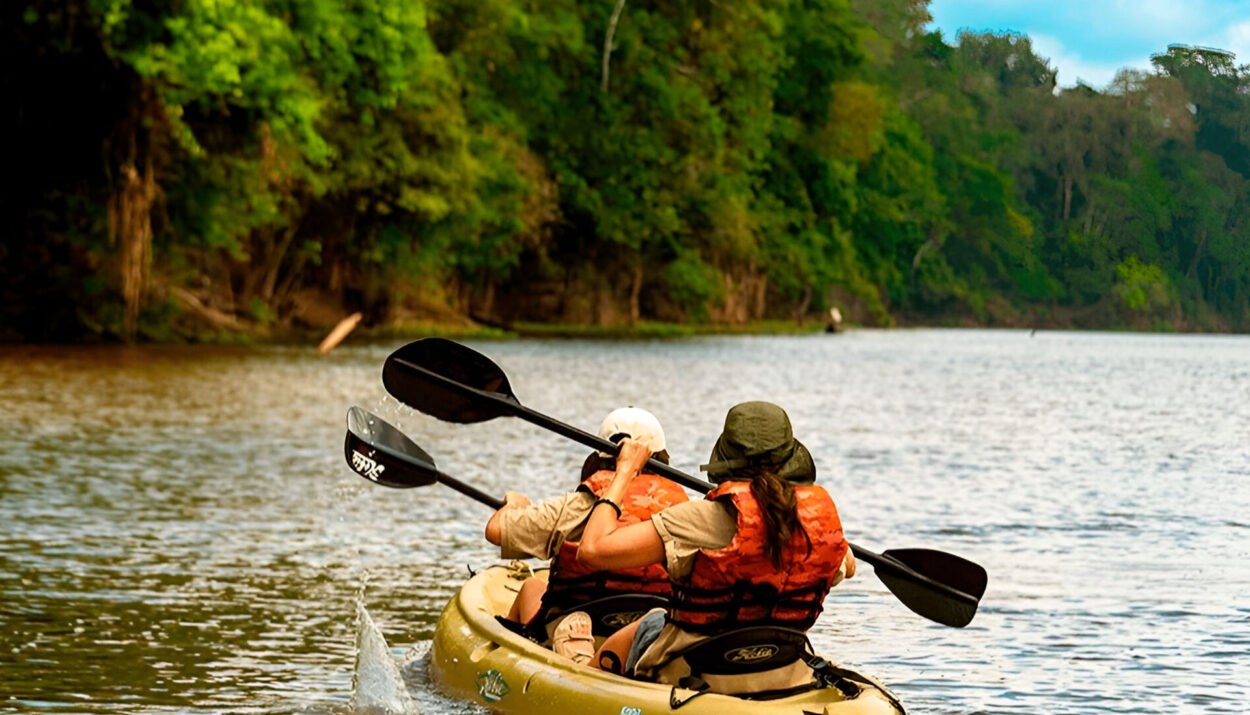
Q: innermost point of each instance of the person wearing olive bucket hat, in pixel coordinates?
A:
(758, 435)
(763, 549)
(549, 530)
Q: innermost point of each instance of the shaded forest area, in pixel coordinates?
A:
(200, 166)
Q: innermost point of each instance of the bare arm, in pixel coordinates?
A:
(606, 545)
(511, 500)
(635, 545)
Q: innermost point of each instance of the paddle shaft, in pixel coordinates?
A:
(470, 491)
(515, 409)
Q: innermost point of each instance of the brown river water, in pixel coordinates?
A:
(179, 532)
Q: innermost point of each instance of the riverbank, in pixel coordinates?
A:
(260, 334)
(203, 318)
(644, 330)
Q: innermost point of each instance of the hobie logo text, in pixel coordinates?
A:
(751, 654)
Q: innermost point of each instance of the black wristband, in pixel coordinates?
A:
(610, 503)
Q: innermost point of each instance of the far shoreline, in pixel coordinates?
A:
(521, 330)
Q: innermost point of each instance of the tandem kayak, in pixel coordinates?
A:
(476, 658)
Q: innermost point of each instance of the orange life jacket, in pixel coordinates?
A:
(738, 586)
(572, 582)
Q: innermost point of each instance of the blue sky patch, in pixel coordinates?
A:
(1092, 39)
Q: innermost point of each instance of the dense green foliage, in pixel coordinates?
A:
(244, 163)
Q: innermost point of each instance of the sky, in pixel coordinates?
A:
(1091, 39)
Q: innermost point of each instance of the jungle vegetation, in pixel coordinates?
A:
(188, 166)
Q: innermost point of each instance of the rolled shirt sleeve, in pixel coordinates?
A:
(538, 530)
(686, 528)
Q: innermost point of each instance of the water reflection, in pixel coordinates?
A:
(180, 534)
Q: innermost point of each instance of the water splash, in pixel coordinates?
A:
(377, 685)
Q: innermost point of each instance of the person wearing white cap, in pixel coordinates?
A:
(551, 530)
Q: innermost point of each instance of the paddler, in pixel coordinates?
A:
(550, 530)
(763, 549)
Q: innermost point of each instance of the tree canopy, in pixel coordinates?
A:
(273, 162)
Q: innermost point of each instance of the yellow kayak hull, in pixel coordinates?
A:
(475, 658)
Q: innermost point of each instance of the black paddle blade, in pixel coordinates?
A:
(953, 601)
(406, 376)
(382, 454)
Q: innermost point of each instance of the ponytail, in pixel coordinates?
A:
(779, 509)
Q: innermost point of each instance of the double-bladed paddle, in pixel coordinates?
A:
(455, 383)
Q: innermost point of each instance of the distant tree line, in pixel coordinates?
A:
(252, 164)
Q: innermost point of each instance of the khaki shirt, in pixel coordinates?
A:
(538, 530)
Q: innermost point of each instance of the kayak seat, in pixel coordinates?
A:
(746, 650)
(755, 650)
(607, 615)
(612, 613)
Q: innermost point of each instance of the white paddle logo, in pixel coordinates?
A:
(366, 466)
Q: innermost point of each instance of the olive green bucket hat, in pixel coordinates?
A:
(759, 434)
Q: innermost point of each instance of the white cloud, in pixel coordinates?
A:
(1072, 67)
(1236, 39)
(1163, 20)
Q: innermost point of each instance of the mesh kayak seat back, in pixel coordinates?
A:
(607, 615)
(747, 650)
(612, 613)
(755, 650)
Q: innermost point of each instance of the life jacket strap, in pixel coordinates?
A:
(728, 604)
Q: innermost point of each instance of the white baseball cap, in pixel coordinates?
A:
(633, 422)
